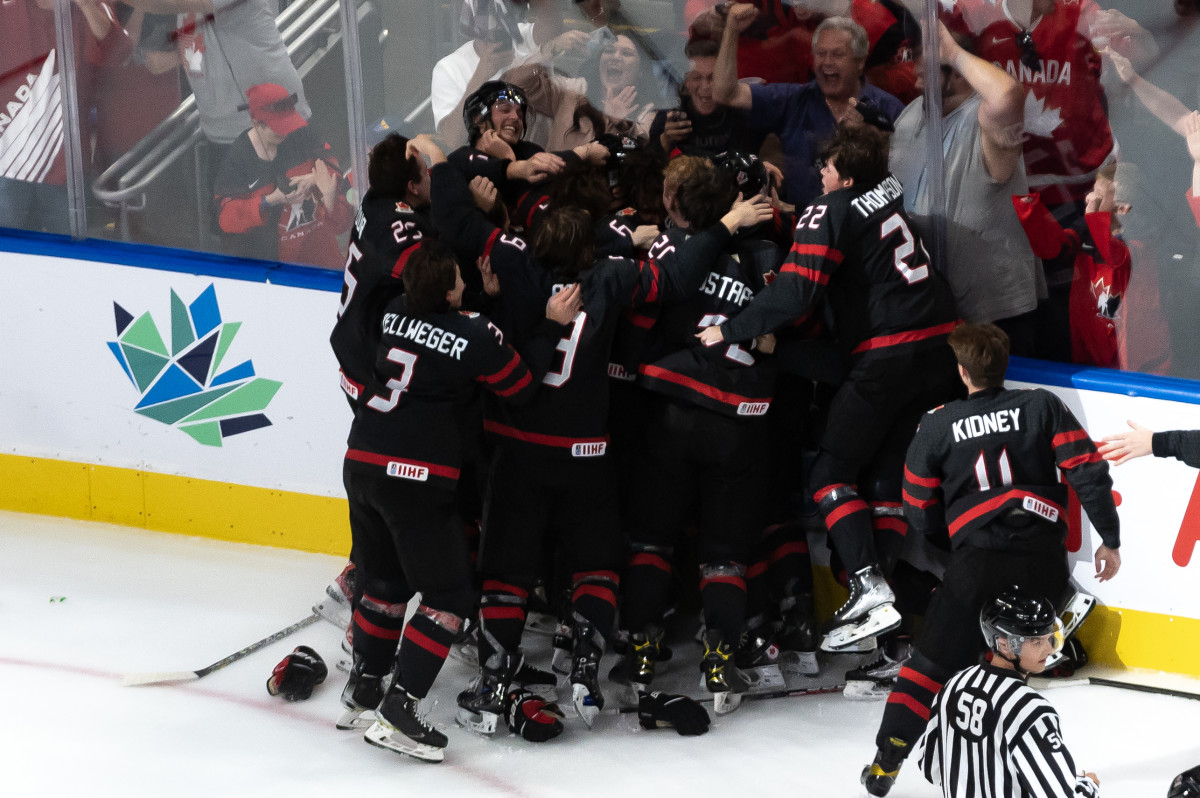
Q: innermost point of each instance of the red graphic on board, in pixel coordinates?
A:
(1189, 530)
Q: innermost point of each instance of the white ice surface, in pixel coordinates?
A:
(139, 601)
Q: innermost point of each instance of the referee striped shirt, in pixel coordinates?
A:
(990, 735)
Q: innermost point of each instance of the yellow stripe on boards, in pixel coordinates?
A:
(184, 505)
(177, 504)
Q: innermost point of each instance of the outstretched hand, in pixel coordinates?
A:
(748, 212)
(1125, 446)
(1108, 562)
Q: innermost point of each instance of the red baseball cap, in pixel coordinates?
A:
(274, 105)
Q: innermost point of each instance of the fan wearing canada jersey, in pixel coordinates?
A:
(891, 311)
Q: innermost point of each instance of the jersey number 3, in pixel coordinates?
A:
(568, 346)
(397, 385)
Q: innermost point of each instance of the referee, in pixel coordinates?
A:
(991, 735)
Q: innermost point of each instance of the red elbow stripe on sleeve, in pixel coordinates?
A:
(820, 250)
(491, 242)
(402, 261)
(504, 372)
(924, 482)
(1063, 438)
(1093, 457)
(920, 679)
(426, 642)
(803, 271)
(910, 703)
(516, 386)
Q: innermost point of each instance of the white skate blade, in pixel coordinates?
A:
(585, 705)
(866, 691)
(560, 662)
(335, 612)
(883, 618)
(356, 719)
(481, 723)
(764, 679)
(726, 702)
(383, 735)
(799, 663)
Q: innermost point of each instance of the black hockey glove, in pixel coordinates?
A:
(531, 718)
(656, 710)
(297, 674)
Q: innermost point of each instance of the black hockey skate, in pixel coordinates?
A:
(758, 659)
(482, 705)
(879, 776)
(402, 728)
(720, 674)
(797, 637)
(873, 680)
(585, 671)
(868, 612)
(360, 697)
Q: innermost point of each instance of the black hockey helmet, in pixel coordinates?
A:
(746, 169)
(478, 106)
(1018, 615)
(1186, 784)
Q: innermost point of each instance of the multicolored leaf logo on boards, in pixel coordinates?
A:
(183, 385)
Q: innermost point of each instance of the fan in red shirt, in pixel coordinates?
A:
(1102, 264)
(279, 192)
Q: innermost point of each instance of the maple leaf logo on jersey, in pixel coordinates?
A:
(183, 386)
(1106, 303)
(1040, 121)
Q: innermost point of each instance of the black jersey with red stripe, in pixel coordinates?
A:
(385, 234)
(998, 454)
(411, 423)
(569, 416)
(858, 249)
(729, 379)
(614, 236)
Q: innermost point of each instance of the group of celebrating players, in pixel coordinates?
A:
(662, 346)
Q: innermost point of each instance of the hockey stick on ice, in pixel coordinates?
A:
(165, 677)
(1143, 688)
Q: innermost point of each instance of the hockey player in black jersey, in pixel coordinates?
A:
(982, 475)
(855, 248)
(400, 472)
(390, 221)
(706, 440)
(990, 735)
(550, 474)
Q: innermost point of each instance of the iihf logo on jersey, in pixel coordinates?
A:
(183, 385)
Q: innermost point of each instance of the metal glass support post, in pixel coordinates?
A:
(69, 97)
(354, 95)
(935, 154)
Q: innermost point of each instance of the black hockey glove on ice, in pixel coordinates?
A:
(656, 710)
(297, 674)
(531, 718)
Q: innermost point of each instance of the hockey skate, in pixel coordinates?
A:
(720, 675)
(642, 656)
(868, 612)
(758, 659)
(401, 727)
(562, 645)
(336, 606)
(585, 671)
(360, 697)
(879, 776)
(873, 680)
(482, 705)
(797, 637)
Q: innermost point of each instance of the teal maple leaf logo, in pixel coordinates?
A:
(184, 386)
